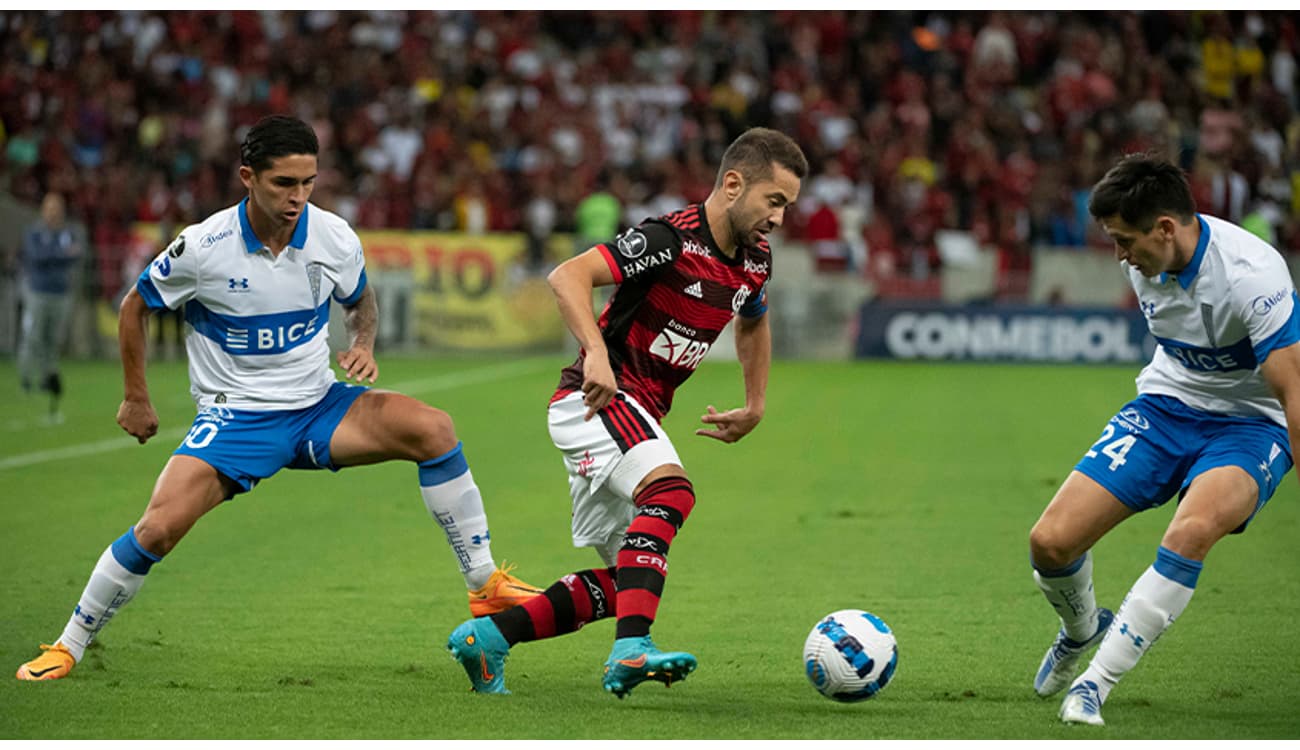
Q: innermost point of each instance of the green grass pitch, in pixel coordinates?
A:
(318, 605)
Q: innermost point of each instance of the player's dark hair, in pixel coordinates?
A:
(1140, 189)
(756, 150)
(275, 136)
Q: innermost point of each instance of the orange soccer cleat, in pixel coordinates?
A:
(54, 663)
(501, 592)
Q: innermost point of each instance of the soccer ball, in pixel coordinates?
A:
(850, 655)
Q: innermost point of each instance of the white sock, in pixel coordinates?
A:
(455, 503)
(1070, 593)
(1152, 605)
(111, 585)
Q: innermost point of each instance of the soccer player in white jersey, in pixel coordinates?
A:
(1216, 423)
(255, 283)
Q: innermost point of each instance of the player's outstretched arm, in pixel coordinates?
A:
(1282, 371)
(136, 414)
(361, 320)
(754, 350)
(572, 282)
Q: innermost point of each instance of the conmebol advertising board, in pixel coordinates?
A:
(1003, 334)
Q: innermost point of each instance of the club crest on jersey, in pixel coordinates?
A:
(313, 278)
(632, 244)
(742, 294)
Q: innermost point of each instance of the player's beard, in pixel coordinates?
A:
(742, 232)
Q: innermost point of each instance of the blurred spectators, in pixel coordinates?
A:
(990, 122)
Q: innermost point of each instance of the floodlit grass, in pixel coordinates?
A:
(318, 605)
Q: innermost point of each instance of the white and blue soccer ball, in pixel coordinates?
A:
(850, 655)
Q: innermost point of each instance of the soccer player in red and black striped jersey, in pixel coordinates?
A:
(681, 278)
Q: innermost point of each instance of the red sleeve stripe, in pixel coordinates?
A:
(613, 264)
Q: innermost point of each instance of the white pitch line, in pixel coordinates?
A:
(427, 385)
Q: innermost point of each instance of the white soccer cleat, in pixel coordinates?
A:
(1057, 669)
(1082, 705)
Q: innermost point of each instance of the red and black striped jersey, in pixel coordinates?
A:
(676, 292)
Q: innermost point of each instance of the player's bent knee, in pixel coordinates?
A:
(1192, 537)
(659, 472)
(1051, 549)
(436, 434)
(409, 428)
(158, 534)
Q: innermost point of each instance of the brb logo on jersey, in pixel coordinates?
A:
(678, 348)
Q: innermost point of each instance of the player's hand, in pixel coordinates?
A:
(139, 419)
(729, 426)
(359, 364)
(598, 384)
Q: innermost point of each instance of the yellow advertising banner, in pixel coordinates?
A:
(473, 291)
(470, 292)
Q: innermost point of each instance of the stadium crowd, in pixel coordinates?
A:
(995, 123)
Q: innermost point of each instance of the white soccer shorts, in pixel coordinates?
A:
(606, 457)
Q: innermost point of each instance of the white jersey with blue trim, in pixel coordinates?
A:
(1216, 322)
(256, 324)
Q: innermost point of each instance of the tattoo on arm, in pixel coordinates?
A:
(362, 319)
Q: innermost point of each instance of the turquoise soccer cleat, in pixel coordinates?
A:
(481, 649)
(635, 660)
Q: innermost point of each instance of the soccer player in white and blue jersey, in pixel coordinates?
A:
(1216, 423)
(255, 282)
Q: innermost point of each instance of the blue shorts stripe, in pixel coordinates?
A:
(1177, 568)
(130, 555)
(444, 468)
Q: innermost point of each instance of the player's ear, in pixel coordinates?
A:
(733, 184)
(246, 175)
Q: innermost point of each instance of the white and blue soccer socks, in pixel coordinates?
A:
(1069, 591)
(455, 503)
(114, 581)
(1151, 606)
